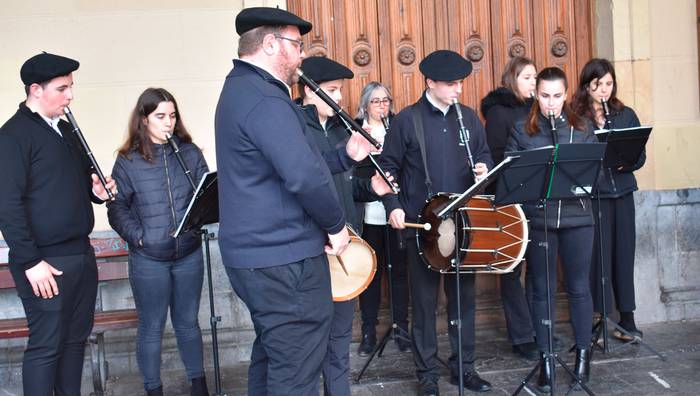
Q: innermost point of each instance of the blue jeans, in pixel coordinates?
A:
(157, 286)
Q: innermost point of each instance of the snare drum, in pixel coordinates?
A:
(492, 239)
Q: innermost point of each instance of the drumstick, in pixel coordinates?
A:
(425, 226)
(342, 265)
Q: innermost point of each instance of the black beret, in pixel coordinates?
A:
(250, 18)
(320, 69)
(43, 67)
(445, 65)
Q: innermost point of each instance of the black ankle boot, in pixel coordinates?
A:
(546, 376)
(582, 367)
(199, 387)
(155, 392)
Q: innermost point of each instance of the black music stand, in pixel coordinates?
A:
(624, 148)
(203, 210)
(567, 171)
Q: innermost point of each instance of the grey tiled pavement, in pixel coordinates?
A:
(631, 370)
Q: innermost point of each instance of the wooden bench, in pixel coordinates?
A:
(112, 264)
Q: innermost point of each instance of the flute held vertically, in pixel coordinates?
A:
(464, 136)
(176, 150)
(606, 113)
(88, 152)
(553, 126)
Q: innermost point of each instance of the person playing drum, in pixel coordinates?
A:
(329, 132)
(448, 167)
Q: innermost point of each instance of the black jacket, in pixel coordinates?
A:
(564, 213)
(501, 109)
(45, 192)
(153, 198)
(447, 161)
(615, 183)
(350, 189)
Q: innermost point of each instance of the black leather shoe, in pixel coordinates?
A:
(472, 381)
(546, 374)
(634, 332)
(369, 341)
(155, 392)
(582, 366)
(199, 387)
(527, 351)
(429, 388)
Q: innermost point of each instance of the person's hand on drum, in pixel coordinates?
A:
(337, 242)
(379, 186)
(397, 219)
(480, 170)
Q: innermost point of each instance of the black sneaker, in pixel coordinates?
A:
(369, 341)
(527, 351)
(472, 381)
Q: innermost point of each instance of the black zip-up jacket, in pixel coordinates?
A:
(350, 189)
(153, 198)
(565, 213)
(45, 191)
(615, 183)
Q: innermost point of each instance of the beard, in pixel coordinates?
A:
(287, 67)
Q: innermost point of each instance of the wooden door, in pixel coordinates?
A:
(385, 40)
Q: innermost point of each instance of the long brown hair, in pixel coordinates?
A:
(552, 74)
(139, 139)
(595, 68)
(509, 78)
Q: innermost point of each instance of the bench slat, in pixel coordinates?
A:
(104, 321)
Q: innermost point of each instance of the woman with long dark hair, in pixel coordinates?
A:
(165, 272)
(501, 108)
(598, 84)
(569, 224)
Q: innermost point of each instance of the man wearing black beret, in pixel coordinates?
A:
(282, 212)
(448, 168)
(329, 132)
(46, 218)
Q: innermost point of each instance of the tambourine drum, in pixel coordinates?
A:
(492, 239)
(361, 265)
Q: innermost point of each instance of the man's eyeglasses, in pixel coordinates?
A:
(299, 43)
(377, 101)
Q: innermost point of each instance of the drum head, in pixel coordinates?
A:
(360, 263)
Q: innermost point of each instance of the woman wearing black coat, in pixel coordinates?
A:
(165, 272)
(501, 108)
(615, 188)
(569, 225)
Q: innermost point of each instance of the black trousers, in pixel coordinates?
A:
(291, 308)
(59, 327)
(619, 239)
(516, 308)
(336, 365)
(573, 245)
(379, 236)
(424, 297)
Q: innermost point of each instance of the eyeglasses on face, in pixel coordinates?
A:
(378, 101)
(299, 43)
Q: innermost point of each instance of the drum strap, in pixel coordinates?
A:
(420, 135)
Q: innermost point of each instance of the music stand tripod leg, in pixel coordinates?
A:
(394, 331)
(213, 319)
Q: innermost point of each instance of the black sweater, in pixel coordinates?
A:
(45, 192)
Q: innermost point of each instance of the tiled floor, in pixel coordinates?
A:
(631, 370)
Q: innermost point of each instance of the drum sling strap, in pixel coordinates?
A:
(418, 127)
